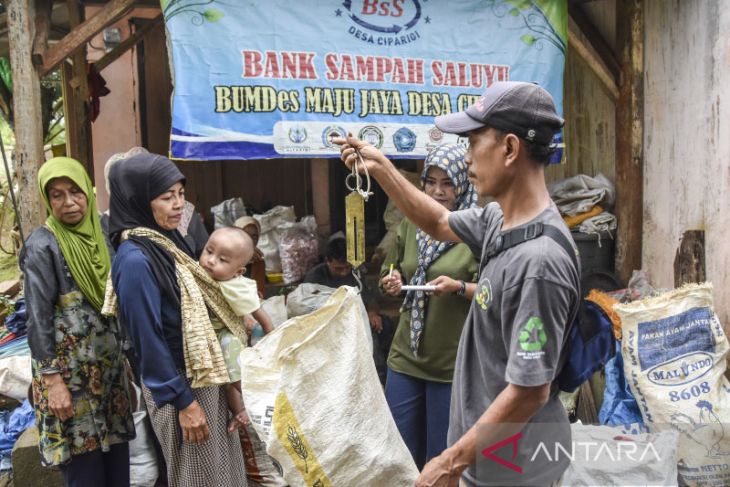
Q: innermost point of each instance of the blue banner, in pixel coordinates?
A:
(272, 79)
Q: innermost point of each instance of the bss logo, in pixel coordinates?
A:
(393, 8)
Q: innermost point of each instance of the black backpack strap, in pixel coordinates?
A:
(559, 237)
(512, 238)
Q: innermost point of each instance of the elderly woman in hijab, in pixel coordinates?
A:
(80, 391)
(423, 352)
(162, 296)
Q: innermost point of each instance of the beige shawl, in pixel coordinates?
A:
(204, 363)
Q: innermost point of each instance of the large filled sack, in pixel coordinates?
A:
(275, 307)
(313, 395)
(272, 224)
(15, 376)
(227, 212)
(622, 456)
(674, 351)
(298, 248)
(309, 297)
(581, 193)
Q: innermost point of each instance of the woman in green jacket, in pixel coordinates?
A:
(422, 356)
(80, 388)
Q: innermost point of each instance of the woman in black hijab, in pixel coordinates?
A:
(147, 190)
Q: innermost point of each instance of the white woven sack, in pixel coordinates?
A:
(15, 376)
(308, 297)
(674, 352)
(616, 455)
(271, 227)
(312, 392)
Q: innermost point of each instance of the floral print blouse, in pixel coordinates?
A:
(68, 336)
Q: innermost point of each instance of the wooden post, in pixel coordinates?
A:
(27, 107)
(689, 262)
(320, 169)
(76, 100)
(44, 9)
(630, 137)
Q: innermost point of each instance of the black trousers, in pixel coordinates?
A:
(97, 468)
(381, 346)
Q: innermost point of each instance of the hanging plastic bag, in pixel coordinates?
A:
(305, 389)
(298, 249)
(271, 227)
(142, 456)
(674, 352)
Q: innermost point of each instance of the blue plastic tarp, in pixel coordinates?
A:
(16, 322)
(17, 346)
(12, 426)
(619, 405)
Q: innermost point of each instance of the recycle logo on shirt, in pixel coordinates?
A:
(533, 337)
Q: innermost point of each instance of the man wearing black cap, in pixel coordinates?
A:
(504, 402)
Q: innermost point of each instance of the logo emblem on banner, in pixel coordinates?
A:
(297, 134)
(330, 132)
(372, 135)
(404, 140)
(385, 23)
(435, 135)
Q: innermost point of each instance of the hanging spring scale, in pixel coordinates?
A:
(355, 212)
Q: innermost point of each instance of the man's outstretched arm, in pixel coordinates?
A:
(422, 210)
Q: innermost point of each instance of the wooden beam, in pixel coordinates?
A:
(630, 138)
(127, 44)
(123, 47)
(689, 261)
(27, 107)
(76, 100)
(44, 9)
(596, 40)
(80, 35)
(582, 46)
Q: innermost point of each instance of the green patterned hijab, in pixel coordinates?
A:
(82, 245)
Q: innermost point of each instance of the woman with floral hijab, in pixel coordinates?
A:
(423, 353)
(80, 390)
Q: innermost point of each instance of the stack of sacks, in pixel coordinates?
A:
(583, 201)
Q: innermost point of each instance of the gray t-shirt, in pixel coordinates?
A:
(526, 297)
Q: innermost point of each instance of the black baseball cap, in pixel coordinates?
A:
(524, 109)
